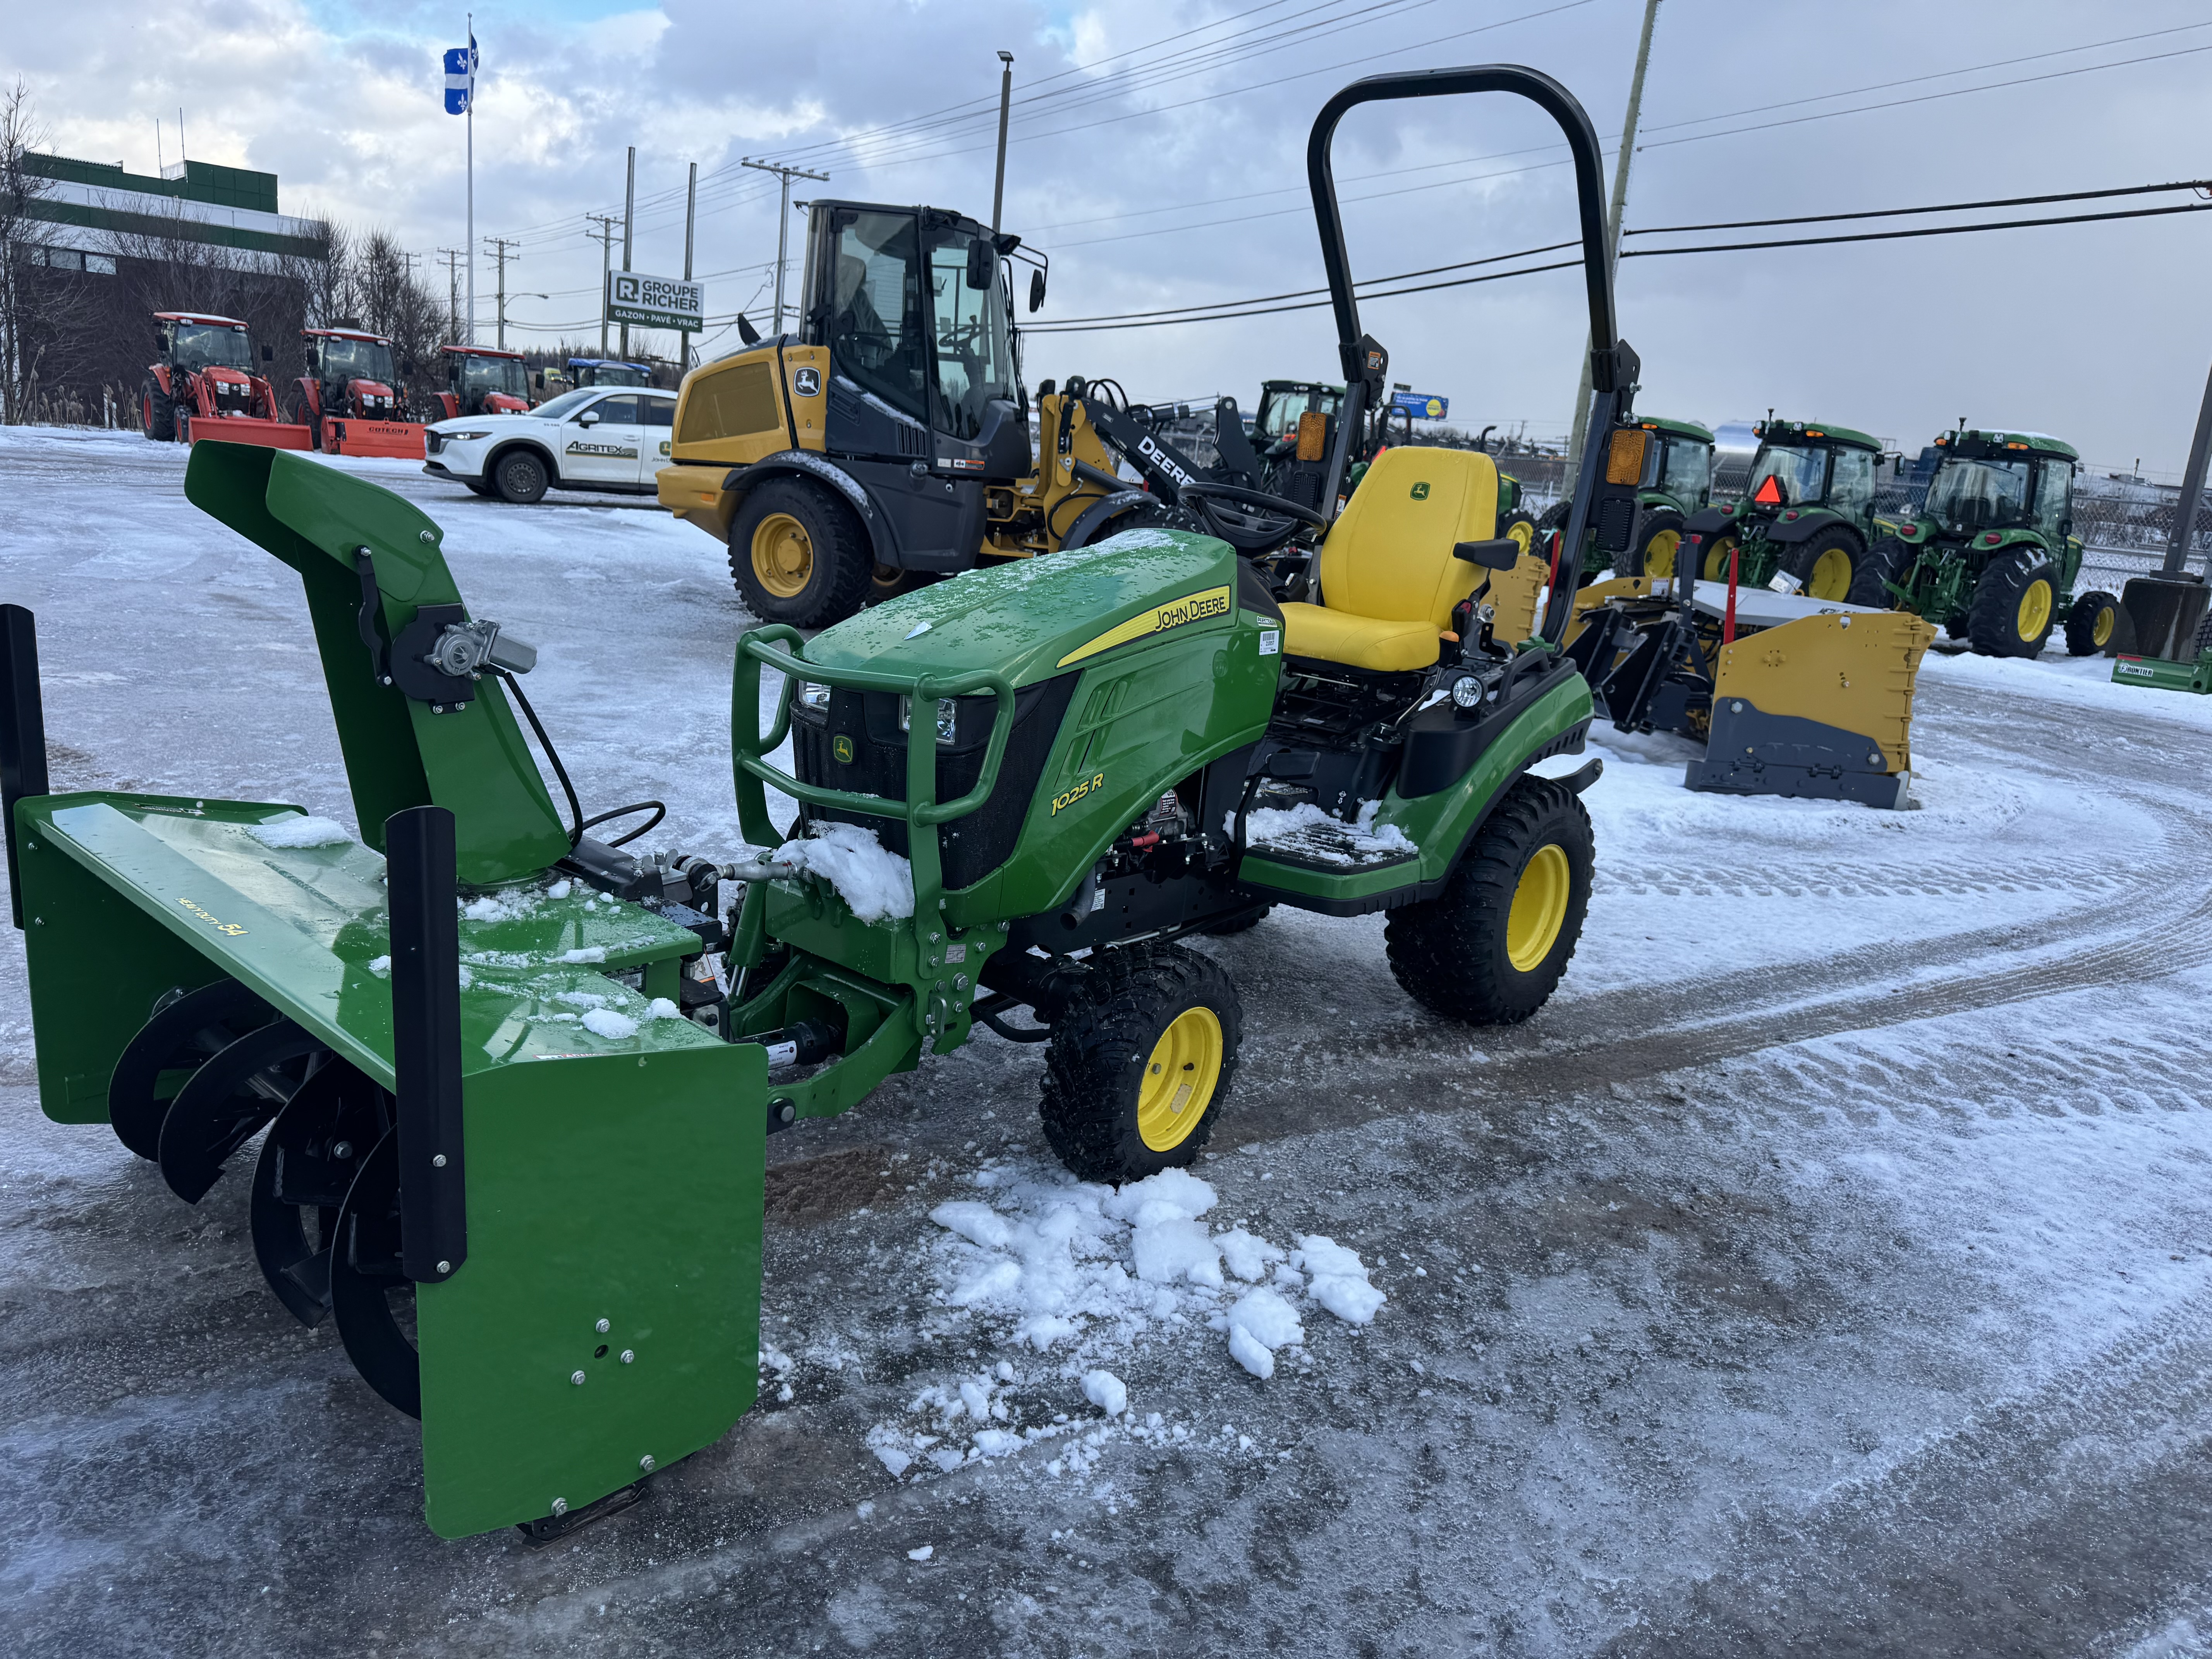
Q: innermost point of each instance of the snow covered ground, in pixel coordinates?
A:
(1829, 1264)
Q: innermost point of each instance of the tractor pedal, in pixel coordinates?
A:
(548, 1528)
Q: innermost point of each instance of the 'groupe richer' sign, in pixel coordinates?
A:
(647, 301)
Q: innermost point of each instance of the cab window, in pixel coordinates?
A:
(2054, 498)
(975, 354)
(1851, 487)
(871, 309)
(660, 411)
(1687, 474)
(617, 411)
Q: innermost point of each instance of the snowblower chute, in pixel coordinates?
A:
(476, 1112)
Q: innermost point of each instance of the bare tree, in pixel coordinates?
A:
(38, 301)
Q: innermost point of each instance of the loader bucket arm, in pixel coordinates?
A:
(1614, 366)
(373, 569)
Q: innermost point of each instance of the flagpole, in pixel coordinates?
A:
(470, 337)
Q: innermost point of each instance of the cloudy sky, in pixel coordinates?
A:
(1157, 156)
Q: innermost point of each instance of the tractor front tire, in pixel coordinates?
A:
(519, 476)
(2014, 606)
(159, 413)
(1884, 562)
(2091, 622)
(1826, 564)
(799, 554)
(1490, 948)
(1658, 540)
(1143, 1053)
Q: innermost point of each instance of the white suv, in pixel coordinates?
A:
(600, 438)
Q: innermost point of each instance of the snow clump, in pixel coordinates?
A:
(1340, 1279)
(606, 1022)
(1305, 831)
(875, 883)
(296, 830)
(1106, 1391)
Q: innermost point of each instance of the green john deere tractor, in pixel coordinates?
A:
(511, 1084)
(1677, 485)
(1991, 555)
(1806, 515)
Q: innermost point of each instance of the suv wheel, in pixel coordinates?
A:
(519, 476)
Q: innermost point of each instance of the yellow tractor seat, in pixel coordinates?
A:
(1388, 581)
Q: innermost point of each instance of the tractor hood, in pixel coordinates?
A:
(1043, 616)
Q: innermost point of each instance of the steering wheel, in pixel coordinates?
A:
(1274, 522)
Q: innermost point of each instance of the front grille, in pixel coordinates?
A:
(973, 846)
(433, 441)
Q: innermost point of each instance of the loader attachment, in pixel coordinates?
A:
(1817, 705)
(344, 435)
(248, 430)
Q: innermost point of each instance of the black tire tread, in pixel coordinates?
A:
(1655, 521)
(1884, 562)
(1448, 953)
(2081, 622)
(838, 538)
(1099, 1043)
(1806, 553)
(1990, 627)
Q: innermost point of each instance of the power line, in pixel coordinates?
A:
(1947, 207)
(1225, 311)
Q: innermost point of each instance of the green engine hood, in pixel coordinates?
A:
(1039, 617)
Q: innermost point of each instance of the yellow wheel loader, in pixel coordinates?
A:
(887, 439)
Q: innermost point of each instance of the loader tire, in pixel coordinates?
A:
(1658, 540)
(519, 476)
(2091, 622)
(1886, 561)
(1143, 1054)
(799, 554)
(2014, 605)
(1826, 565)
(159, 413)
(1490, 948)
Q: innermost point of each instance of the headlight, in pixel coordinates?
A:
(948, 711)
(815, 699)
(1466, 691)
(464, 437)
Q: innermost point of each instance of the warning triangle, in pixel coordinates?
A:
(1769, 493)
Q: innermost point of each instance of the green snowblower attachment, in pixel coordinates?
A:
(482, 1124)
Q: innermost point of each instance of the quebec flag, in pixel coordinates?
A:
(460, 77)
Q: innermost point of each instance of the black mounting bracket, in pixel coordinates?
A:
(426, 1041)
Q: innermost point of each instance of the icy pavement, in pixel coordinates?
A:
(1829, 1266)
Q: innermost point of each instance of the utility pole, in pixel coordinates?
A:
(1581, 428)
(452, 256)
(630, 212)
(498, 245)
(690, 213)
(782, 222)
(2188, 504)
(605, 235)
(1005, 105)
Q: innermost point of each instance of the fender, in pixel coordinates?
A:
(1809, 522)
(804, 463)
(543, 451)
(448, 404)
(1095, 517)
(1709, 521)
(311, 396)
(2018, 536)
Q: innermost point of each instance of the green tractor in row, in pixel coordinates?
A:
(512, 1085)
(1677, 484)
(1807, 517)
(1991, 556)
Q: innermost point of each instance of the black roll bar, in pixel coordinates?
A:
(1611, 365)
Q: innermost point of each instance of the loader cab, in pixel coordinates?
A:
(1988, 482)
(480, 380)
(1802, 466)
(189, 342)
(915, 307)
(1293, 433)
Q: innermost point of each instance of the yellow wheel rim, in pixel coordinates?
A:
(1832, 574)
(1523, 534)
(1179, 1080)
(1716, 560)
(783, 557)
(2102, 631)
(1659, 554)
(1540, 909)
(2035, 610)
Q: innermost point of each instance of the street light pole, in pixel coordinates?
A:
(629, 213)
(690, 213)
(782, 222)
(2191, 499)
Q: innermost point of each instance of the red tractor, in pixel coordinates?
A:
(480, 380)
(204, 386)
(348, 399)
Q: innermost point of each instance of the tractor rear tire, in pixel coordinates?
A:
(519, 476)
(1827, 563)
(1658, 540)
(1886, 561)
(2014, 605)
(2090, 623)
(798, 555)
(1143, 1054)
(1490, 948)
(159, 414)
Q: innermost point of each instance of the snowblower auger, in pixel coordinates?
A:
(487, 1114)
